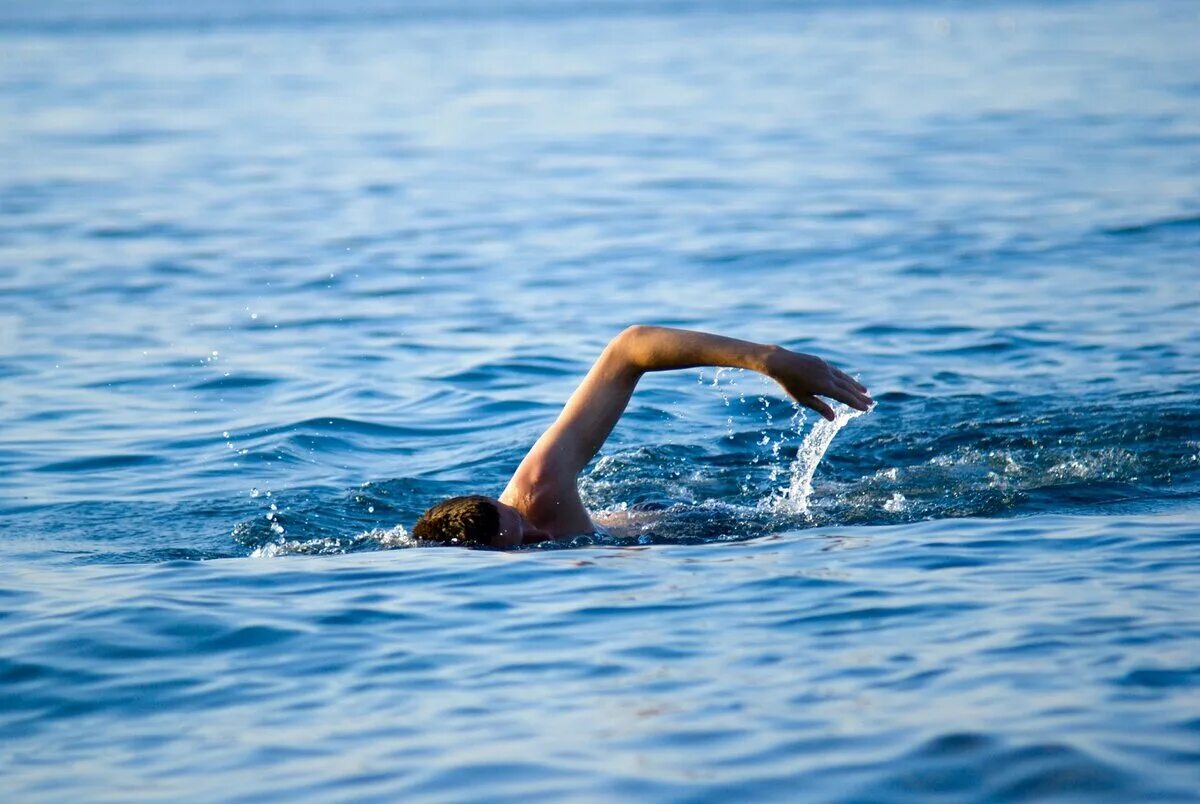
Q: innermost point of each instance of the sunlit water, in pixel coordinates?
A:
(276, 277)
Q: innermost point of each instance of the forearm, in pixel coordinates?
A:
(592, 411)
(647, 348)
(804, 377)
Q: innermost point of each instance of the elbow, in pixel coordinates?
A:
(625, 351)
(632, 332)
(634, 339)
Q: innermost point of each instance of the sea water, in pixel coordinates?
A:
(275, 277)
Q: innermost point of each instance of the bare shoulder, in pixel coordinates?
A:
(548, 499)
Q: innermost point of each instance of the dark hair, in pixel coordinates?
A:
(471, 521)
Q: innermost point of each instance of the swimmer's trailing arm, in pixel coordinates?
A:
(803, 376)
(555, 461)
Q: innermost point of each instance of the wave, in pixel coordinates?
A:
(1181, 222)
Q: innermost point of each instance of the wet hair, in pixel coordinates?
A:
(471, 521)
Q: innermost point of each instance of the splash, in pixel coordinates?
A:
(375, 539)
(794, 498)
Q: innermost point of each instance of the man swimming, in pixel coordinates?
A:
(542, 501)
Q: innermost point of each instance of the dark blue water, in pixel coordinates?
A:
(276, 277)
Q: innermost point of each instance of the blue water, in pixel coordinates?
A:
(275, 277)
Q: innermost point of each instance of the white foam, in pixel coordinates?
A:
(386, 539)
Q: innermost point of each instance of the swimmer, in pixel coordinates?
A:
(541, 501)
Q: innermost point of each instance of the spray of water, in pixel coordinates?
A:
(789, 501)
(794, 498)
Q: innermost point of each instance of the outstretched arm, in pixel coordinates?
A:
(548, 473)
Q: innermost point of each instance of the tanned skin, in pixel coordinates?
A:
(542, 501)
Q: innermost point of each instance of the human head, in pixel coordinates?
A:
(476, 521)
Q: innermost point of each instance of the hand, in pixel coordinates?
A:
(806, 376)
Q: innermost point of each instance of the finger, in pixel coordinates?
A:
(848, 396)
(848, 380)
(810, 401)
(853, 382)
(851, 386)
(864, 397)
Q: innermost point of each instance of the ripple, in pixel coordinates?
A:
(247, 638)
(1162, 677)
(1183, 222)
(957, 764)
(100, 463)
(235, 382)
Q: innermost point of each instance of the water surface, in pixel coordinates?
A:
(275, 279)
